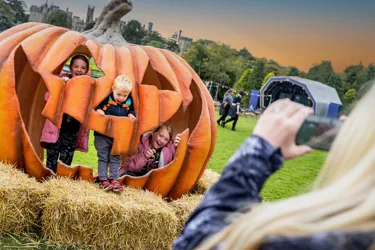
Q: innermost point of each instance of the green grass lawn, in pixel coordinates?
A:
(294, 178)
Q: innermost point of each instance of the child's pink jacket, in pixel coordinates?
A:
(50, 134)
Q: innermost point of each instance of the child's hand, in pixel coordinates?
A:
(100, 112)
(150, 153)
(131, 117)
(65, 78)
(177, 140)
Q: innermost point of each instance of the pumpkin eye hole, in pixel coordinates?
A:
(30, 90)
(181, 119)
(154, 78)
(189, 118)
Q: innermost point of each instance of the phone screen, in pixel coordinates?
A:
(318, 132)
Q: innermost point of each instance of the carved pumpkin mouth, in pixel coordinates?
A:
(34, 109)
(166, 90)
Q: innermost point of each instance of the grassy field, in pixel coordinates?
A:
(295, 177)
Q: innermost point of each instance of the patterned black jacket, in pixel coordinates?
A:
(239, 187)
(110, 107)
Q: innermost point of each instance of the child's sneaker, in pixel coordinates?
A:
(116, 187)
(105, 185)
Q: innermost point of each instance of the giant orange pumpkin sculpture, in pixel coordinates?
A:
(166, 90)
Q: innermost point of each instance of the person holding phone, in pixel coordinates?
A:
(337, 214)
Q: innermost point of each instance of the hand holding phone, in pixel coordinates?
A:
(279, 125)
(318, 132)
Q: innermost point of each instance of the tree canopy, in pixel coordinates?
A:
(292, 71)
(60, 18)
(19, 7)
(7, 16)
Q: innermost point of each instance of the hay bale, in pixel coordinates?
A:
(183, 207)
(208, 178)
(21, 199)
(78, 213)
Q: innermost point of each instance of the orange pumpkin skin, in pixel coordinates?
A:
(166, 89)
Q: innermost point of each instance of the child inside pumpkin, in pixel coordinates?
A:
(72, 135)
(155, 150)
(118, 103)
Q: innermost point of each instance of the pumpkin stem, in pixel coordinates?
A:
(107, 28)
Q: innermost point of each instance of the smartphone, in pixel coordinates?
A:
(318, 132)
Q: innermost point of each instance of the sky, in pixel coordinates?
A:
(297, 33)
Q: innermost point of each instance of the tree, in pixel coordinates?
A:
(321, 72)
(89, 25)
(195, 55)
(256, 78)
(335, 82)
(370, 72)
(351, 74)
(134, 32)
(361, 78)
(292, 71)
(243, 84)
(302, 74)
(156, 44)
(268, 76)
(350, 96)
(19, 7)
(222, 64)
(243, 81)
(60, 18)
(7, 16)
(246, 54)
(154, 37)
(172, 45)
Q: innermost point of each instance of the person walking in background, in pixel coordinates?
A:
(234, 110)
(225, 106)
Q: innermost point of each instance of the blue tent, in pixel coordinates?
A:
(254, 99)
(322, 98)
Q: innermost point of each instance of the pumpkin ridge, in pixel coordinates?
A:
(62, 47)
(16, 29)
(196, 147)
(211, 107)
(15, 40)
(211, 110)
(124, 58)
(181, 73)
(160, 64)
(33, 56)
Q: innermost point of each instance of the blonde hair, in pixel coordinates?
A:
(123, 83)
(343, 197)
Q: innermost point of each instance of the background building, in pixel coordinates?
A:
(183, 42)
(40, 14)
(78, 24)
(90, 14)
